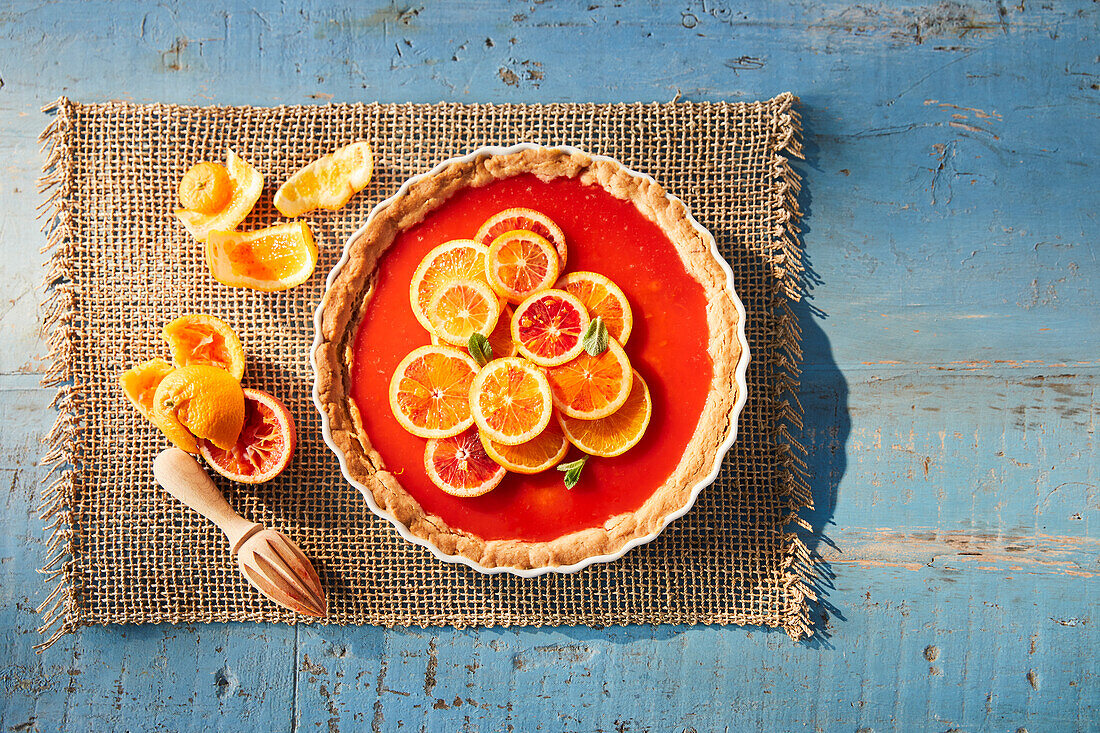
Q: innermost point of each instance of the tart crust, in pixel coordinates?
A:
(349, 295)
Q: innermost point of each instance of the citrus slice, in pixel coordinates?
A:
(459, 259)
(548, 327)
(510, 400)
(526, 219)
(197, 338)
(246, 184)
(521, 263)
(460, 466)
(205, 188)
(140, 383)
(590, 387)
(461, 308)
(265, 444)
(430, 391)
(544, 451)
(199, 401)
(275, 258)
(618, 432)
(602, 298)
(328, 182)
(501, 337)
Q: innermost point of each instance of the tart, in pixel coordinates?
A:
(687, 342)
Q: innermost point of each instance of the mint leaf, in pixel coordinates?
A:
(595, 338)
(573, 471)
(480, 348)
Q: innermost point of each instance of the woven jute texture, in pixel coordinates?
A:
(120, 266)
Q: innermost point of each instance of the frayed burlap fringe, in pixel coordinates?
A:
(55, 507)
(787, 263)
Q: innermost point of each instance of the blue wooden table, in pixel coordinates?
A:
(952, 353)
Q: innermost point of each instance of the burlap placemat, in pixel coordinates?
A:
(122, 551)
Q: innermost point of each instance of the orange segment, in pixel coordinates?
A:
(590, 387)
(460, 466)
(510, 400)
(246, 183)
(328, 182)
(602, 298)
(140, 383)
(462, 308)
(543, 452)
(205, 188)
(275, 258)
(528, 220)
(618, 432)
(548, 327)
(521, 263)
(460, 259)
(197, 338)
(199, 401)
(430, 391)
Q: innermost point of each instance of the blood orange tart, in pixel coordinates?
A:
(686, 348)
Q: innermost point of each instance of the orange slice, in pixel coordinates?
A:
(602, 298)
(246, 184)
(510, 400)
(618, 432)
(430, 391)
(328, 182)
(460, 259)
(205, 188)
(460, 466)
(199, 401)
(461, 308)
(140, 383)
(264, 447)
(275, 258)
(548, 327)
(590, 387)
(196, 338)
(521, 263)
(501, 337)
(545, 451)
(528, 220)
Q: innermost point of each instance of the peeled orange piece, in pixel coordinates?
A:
(460, 466)
(590, 387)
(539, 454)
(618, 432)
(510, 401)
(460, 259)
(245, 183)
(430, 391)
(205, 188)
(526, 219)
(275, 258)
(548, 328)
(521, 263)
(197, 338)
(140, 383)
(199, 401)
(328, 182)
(461, 308)
(601, 298)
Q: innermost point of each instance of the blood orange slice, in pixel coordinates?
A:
(526, 219)
(590, 387)
(534, 456)
(458, 259)
(618, 432)
(548, 327)
(510, 400)
(601, 298)
(461, 308)
(430, 391)
(460, 466)
(264, 447)
(521, 263)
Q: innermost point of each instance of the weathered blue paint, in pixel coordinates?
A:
(952, 352)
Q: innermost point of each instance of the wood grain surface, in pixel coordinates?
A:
(952, 351)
